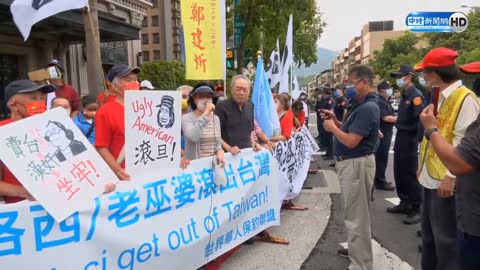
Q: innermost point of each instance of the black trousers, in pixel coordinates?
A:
(320, 127)
(439, 232)
(381, 156)
(469, 246)
(405, 165)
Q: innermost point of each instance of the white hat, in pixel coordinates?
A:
(146, 84)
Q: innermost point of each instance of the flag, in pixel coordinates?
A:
(264, 110)
(287, 58)
(274, 67)
(26, 13)
(296, 88)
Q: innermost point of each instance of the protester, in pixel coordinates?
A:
(387, 121)
(285, 115)
(85, 119)
(473, 68)
(405, 158)
(341, 102)
(185, 89)
(258, 136)
(146, 85)
(62, 103)
(219, 89)
(110, 120)
(457, 108)
(464, 162)
(201, 127)
(299, 114)
(304, 98)
(236, 117)
(65, 90)
(355, 143)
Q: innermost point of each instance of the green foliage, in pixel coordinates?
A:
(272, 17)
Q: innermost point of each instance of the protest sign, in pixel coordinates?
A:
(205, 39)
(181, 220)
(54, 161)
(294, 157)
(152, 132)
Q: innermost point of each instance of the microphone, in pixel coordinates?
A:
(213, 106)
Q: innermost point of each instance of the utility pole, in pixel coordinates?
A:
(95, 76)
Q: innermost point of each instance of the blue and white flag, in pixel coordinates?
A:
(26, 13)
(264, 106)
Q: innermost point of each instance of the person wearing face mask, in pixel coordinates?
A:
(111, 90)
(387, 121)
(24, 99)
(110, 119)
(85, 119)
(405, 158)
(64, 90)
(201, 127)
(457, 108)
(62, 103)
(285, 115)
(341, 102)
(304, 98)
(327, 138)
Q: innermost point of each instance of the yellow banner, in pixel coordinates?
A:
(204, 33)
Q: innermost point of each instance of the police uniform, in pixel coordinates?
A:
(341, 105)
(405, 163)
(381, 155)
(323, 103)
(327, 138)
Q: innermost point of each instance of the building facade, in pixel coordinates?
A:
(62, 37)
(161, 32)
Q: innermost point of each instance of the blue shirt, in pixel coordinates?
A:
(84, 126)
(363, 119)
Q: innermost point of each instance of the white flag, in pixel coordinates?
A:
(274, 67)
(296, 88)
(287, 58)
(26, 13)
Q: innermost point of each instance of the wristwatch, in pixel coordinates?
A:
(430, 132)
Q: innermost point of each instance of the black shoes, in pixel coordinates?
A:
(398, 209)
(385, 186)
(343, 252)
(413, 217)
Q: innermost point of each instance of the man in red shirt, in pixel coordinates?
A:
(24, 98)
(110, 119)
(65, 90)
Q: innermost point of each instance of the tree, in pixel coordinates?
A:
(272, 17)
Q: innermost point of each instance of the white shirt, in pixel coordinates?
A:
(467, 114)
(305, 109)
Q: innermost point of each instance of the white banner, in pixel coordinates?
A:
(152, 131)
(294, 157)
(181, 220)
(54, 161)
(287, 59)
(26, 13)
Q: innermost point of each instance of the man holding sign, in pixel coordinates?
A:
(24, 99)
(110, 120)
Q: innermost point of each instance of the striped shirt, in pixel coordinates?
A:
(208, 140)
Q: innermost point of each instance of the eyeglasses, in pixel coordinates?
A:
(352, 83)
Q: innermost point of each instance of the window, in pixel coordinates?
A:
(154, 20)
(144, 38)
(145, 21)
(146, 56)
(156, 38)
(155, 3)
(156, 55)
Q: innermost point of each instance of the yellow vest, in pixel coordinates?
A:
(446, 119)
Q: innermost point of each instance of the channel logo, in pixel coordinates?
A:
(436, 22)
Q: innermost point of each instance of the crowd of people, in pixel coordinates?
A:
(355, 124)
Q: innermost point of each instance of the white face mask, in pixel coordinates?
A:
(68, 111)
(389, 92)
(401, 83)
(202, 102)
(422, 81)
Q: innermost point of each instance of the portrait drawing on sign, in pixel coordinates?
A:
(37, 4)
(63, 140)
(166, 112)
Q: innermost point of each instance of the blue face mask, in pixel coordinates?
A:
(351, 93)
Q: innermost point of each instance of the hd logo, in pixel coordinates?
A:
(437, 22)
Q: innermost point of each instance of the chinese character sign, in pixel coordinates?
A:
(152, 132)
(204, 32)
(52, 158)
(294, 157)
(145, 224)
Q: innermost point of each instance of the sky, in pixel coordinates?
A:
(345, 18)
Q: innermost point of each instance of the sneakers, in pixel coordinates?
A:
(398, 209)
(413, 217)
(343, 252)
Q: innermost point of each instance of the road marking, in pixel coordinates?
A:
(395, 200)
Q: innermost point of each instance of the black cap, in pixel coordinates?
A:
(327, 90)
(56, 63)
(121, 71)
(402, 71)
(384, 85)
(25, 86)
(341, 86)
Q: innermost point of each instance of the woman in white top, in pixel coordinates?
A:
(201, 127)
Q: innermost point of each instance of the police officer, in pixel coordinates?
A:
(341, 102)
(327, 138)
(387, 121)
(405, 159)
